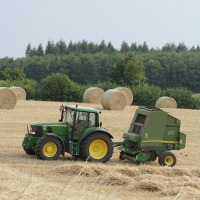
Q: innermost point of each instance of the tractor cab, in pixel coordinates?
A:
(79, 119)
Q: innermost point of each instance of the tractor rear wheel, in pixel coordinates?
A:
(167, 159)
(96, 147)
(48, 148)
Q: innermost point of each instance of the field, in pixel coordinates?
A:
(26, 177)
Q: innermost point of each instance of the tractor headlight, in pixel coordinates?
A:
(32, 132)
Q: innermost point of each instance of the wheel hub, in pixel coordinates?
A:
(50, 149)
(98, 149)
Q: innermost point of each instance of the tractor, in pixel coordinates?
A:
(78, 133)
(152, 134)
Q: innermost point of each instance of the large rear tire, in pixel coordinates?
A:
(167, 159)
(48, 148)
(96, 147)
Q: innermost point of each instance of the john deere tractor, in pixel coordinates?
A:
(153, 133)
(78, 132)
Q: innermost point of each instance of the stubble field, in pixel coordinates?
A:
(26, 177)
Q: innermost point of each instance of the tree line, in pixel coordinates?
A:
(88, 63)
(83, 47)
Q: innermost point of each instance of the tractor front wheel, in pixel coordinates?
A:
(97, 147)
(167, 159)
(48, 148)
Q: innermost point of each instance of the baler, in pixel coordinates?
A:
(153, 133)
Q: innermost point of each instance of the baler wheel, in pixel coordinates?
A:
(153, 156)
(167, 159)
(96, 147)
(48, 148)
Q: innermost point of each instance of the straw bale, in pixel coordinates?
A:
(8, 98)
(93, 95)
(128, 93)
(20, 92)
(166, 102)
(113, 100)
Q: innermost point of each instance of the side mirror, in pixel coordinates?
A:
(100, 124)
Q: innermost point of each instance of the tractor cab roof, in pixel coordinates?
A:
(82, 109)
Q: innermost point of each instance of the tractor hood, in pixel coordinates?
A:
(41, 128)
(49, 124)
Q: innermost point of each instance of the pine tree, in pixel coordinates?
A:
(110, 48)
(134, 47)
(28, 50)
(61, 45)
(40, 51)
(51, 48)
(102, 46)
(124, 47)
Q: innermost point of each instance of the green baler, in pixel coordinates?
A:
(153, 133)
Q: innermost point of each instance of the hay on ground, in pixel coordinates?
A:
(20, 92)
(93, 95)
(8, 98)
(114, 179)
(113, 100)
(166, 102)
(148, 185)
(128, 93)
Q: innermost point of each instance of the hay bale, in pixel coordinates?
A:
(93, 95)
(8, 98)
(166, 102)
(128, 93)
(20, 92)
(113, 100)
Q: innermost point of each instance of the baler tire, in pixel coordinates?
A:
(48, 148)
(98, 144)
(29, 151)
(167, 159)
(153, 156)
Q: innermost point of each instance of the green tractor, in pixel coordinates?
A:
(153, 133)
(78, 133)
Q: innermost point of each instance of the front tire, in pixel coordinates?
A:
(48, 148)
(97, 147)
(167, 159)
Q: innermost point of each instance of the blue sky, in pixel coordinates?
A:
(156, 22)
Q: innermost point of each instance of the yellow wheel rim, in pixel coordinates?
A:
(169, 160)
(98, 149)
(50, 149)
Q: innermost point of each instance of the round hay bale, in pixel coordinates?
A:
(93, 95)
(113, 100)
(166, 102)
(20, 92)
(128, 93)
(8, 98)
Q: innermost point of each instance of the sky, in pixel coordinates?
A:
(37, 21)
